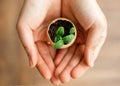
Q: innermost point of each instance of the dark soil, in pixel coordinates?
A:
(54, 26)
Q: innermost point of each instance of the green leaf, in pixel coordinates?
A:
(58, 44)
(68, 39)
(60, 31)
(57, 38)
(72, 30)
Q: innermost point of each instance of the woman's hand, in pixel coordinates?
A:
(92, 29)
(32, 25)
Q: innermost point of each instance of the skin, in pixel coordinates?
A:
(32, 26)
(92, 28)
(72, 62)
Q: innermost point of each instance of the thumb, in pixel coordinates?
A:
(96, 37)
(26, 36)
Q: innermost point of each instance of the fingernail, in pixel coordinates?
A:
(91, 61)
(31, 64)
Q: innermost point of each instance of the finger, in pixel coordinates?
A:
(61, 53)
(27, 39)
(65, 60)
(65, 76)
(79, 70)
(45, 54)
(52, 51)
(43, 68)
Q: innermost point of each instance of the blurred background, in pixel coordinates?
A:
(14, 68)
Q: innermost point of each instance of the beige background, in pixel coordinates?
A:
(14, 69)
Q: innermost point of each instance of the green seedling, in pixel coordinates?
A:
(60, 31)
(68, 39)
(58, 44)
(72, 30)
(57, 38)
(60, 40)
